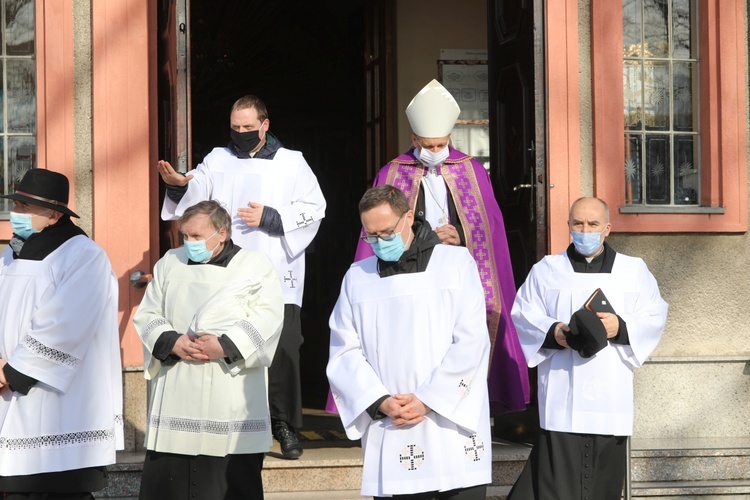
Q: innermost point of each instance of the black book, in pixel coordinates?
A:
(598, 302)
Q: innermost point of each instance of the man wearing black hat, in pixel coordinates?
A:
(60, 371)
(585, 355)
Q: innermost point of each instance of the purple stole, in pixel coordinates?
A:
(462, 183)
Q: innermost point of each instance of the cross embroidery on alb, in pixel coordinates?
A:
(291, 279)
(474, 448)
(464, 387)
(304, 220)
(411, 457)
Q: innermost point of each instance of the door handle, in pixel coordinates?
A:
(522, 186)
(139, 279)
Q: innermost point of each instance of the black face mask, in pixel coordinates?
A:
(245, 141)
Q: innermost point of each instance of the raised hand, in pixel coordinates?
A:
(171, 176)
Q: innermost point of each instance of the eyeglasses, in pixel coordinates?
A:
(385, 235)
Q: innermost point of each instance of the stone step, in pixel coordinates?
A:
(705, 468)
(318, 469)
(706, 459)
(339, 469)
(331, 468)
(493, 493)
(316, 495)
(703, 490)
(326, 470)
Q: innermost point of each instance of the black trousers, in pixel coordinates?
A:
(73, 484)
(470, 493)
(48, 496)
(284, 387)
(567, 466)
(169, 476)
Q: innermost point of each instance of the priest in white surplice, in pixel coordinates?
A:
(60, 371)
(276, 205)
(210, 323)
(408, 358)
(585, 358)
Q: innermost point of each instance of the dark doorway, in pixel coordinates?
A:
(305, 60)
(517, 129)
(309, 62)
(517, 126)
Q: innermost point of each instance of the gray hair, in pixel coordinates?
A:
(217, 214)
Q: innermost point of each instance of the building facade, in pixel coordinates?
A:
(647, 109)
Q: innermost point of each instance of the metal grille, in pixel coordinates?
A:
(661, 102)
(18, 127)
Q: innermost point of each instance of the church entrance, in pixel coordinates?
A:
(518, 152)
(325, 99)
(304, 59)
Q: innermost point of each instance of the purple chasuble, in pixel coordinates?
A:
(469, 186)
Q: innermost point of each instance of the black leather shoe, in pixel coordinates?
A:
(291, 448)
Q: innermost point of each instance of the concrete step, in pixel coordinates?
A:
(124, 476)
(707, 459)
(703, 490)
(703, 468)
(334, 470)
(315, 495)
(331, 468)
(327, 469)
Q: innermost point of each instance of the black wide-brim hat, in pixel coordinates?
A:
(44, 188)
(587, 333)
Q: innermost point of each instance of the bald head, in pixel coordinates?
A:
(590, 204)
(589, 225)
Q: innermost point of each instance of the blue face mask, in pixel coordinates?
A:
(389, 251)
(21, 224)
(586, 243)
(197, 251)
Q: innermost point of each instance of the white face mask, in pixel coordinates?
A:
(432, 160)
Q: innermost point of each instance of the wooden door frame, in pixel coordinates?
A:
(525, 195)
(541, 193)
(382, 131)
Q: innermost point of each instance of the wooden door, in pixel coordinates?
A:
(380, 85)
(517, 126)
(173, 77)
(124, 149)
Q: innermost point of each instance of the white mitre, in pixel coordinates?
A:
(433, 111)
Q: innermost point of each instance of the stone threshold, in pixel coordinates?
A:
(682, 489)
(690, 446)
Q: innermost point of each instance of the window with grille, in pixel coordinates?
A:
(660, 102)
(18, 102)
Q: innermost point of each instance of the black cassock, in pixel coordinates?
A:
(567, 466)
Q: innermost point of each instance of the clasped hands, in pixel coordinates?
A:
(204, 348)
(448, 235)
(404, 409)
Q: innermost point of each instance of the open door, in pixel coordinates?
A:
(380, 85)
(174, 99)
(517, 153)
(517, 126)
